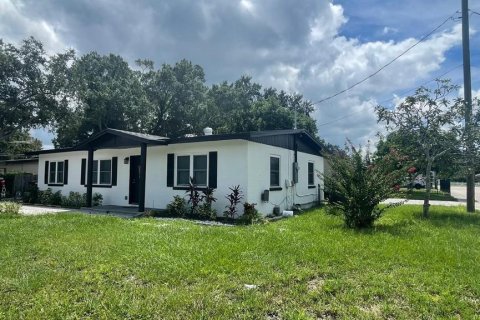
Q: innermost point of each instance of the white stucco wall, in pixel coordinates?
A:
(231, 169)
(259, 178)
(239, 163)
(111, 196)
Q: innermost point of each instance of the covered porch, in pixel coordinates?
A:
(119, 139)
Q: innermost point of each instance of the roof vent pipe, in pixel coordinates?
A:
(208, 131)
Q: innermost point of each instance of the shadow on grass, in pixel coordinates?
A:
(455, 220)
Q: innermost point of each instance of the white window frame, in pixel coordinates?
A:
(190, 173)
(97, 183)
(308, 174)
(279, 170)
(56, 180)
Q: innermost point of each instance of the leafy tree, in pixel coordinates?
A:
(176, 96)
(357, 185)
(106, 94)
(430, 123)
(31, 86)
(18, 144)
(243, 106)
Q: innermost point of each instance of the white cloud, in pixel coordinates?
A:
(389, 30)
(292, 45)
(15, 26)
(326, 25)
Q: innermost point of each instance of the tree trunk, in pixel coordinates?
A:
(428, 187)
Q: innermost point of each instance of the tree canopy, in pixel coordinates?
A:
(427, 126)
(32, 86)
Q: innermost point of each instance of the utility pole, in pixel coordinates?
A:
(467, 79)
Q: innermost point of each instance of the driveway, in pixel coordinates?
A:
(459, 191)
(38, 210)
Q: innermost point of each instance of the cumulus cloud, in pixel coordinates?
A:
(15, 26)
(298, 46)
(389, 30)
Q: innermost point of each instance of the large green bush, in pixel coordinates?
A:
(357, 185)
(73, 200)
(178, 207)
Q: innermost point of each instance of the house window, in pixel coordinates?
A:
(102, 172)
(192, 166)
(274, 171)
(200, 170)
(311, 174)
(183, 170)
(56, 172)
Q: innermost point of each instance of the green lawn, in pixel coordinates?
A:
(419, 194)
(79, 266)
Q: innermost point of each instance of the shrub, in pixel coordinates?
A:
(359, 185)
(56, 198)
(97, 199)
(194, 198)
(9, 208)
(178, 207)
(234, 199)
(45, 197)
(205, 211)
(74, 200)
(250, 213)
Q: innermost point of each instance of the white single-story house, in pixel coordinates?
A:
(273, 168)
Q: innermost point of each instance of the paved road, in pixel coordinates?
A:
(459, 191)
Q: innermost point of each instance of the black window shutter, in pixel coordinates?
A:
(212, 169)
(170, 169)
(114, 170)
(65, 172)
(46, 172)
(83, 171)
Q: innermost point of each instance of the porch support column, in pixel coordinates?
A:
(143, 172)
(89, 177)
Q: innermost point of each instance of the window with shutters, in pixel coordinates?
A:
(56, 172)
(102, 172)
(195, 166)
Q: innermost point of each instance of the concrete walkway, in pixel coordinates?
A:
(420, 202)
(38, 210)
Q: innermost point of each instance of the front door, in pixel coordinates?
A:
(134, 179)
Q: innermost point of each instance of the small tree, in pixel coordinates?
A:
(358, 185)
(431, 123)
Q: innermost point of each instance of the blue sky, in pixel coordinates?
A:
(313, 47)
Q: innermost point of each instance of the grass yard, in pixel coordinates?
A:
(78, 266)
(419, 194)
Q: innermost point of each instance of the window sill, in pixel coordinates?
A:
(312, 187)
(100, 186)
(55, 184)
(188, 188)
(276, 188)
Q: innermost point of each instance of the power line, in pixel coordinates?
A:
(389, 63)
(386, 100)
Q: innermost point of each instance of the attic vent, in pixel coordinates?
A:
(208, 131)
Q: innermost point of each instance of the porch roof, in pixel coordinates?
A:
(114, 138)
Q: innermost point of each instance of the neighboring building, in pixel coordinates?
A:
(132, 169)
(29, 165)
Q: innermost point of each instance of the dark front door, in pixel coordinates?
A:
(134, 179)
